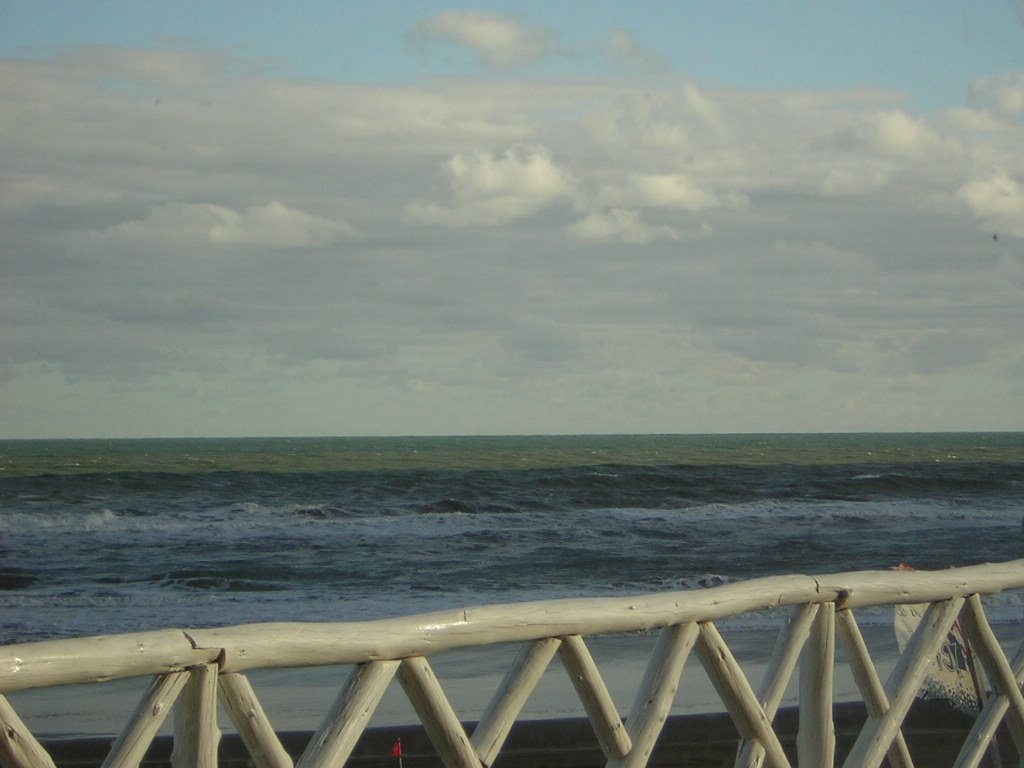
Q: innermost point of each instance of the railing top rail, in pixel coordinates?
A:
(297, 644)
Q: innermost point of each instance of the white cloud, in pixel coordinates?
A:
(623, 49)
(704, 106)
(497, 40)
(896, 133)
(674, 190)
(488, 189)
(857, 178)
(151, 244)
(998, 201)
(273, 226)
(619, 224)
(1003, 93)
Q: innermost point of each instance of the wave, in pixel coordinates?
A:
(100, 552)
(335, 495)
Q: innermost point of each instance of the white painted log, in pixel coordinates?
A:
(986, 723)
(438, 718)
(1000, 675)
(860, 589)
(737, 694)
(288, 645)
(18, 747)
(981, 690)
(97, 659)
(277, 645)
(601, 710)
(508, 701)
(246, 712)
(868, 683)
(816, 737)
(877, 735)
(336, 737)
(196, 734)
(656, 693)
(34, 665)
(137, 736)
(785, 655)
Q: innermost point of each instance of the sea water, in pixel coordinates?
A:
(106, 536)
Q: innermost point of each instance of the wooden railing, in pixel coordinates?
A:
(192, 668)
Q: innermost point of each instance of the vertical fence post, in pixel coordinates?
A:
(196, 734)
(785, 656)
(739, 698)
(816, 740)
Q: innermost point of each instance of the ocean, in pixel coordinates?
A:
(107, 536)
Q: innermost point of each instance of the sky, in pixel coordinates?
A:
(396, 218)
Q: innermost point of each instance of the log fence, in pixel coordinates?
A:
(191, 669)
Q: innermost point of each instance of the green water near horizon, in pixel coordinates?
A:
(354, 454)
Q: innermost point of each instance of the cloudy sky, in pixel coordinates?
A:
(262, 218)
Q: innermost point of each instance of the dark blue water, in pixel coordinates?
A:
(109, 536)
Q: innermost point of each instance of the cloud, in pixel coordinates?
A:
(857, 178)
(998, 201)
(548, 343)
(894, 132)
(938, 352)
(488, 189)
(624, 50)
(273, 225)
(676, 191)
(619, 224)
(306, 249)
(154, 70)
(1002, 93)
(496, 40)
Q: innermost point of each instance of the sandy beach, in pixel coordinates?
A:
(934, 733)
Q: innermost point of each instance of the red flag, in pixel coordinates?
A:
(396, 748)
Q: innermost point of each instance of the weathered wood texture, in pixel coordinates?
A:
(586, 678)
(195, 721)
(18, 747)
(252, 723)
(508, 701)
(133, 742)
(348, 716)
(192, 668)
(277, 645)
